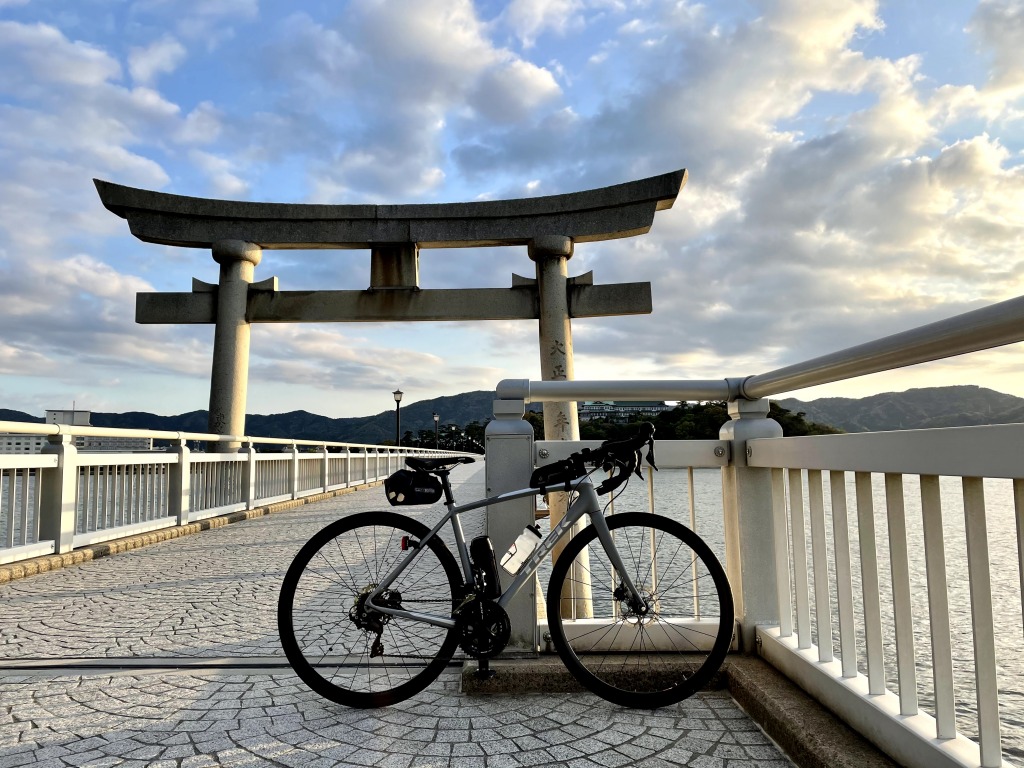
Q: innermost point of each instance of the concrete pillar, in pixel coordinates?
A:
(179, 483)
(58, 494)
(561, 422)
(508, 441)
(229, 379)
(749, 531)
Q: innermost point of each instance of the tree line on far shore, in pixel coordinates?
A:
(687, 421)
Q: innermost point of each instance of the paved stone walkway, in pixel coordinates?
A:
(168, 656)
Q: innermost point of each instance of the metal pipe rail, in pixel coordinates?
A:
(28, 428)
(63, 498)
(992, 326)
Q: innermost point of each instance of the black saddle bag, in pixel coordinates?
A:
(408, 486)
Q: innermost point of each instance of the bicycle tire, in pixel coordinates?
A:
(326, 647)
(636, 659)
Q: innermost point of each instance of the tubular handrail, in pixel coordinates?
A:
(992, 326)
(29, 428)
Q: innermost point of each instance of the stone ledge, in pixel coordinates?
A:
(44, 563)
(810, 735)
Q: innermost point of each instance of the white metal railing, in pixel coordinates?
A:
(671, 491)
(838, 614)
(775, 507)
(62, 498)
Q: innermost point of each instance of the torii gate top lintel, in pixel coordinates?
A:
(621, 210)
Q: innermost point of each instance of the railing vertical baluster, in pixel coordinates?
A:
(118, 491)
(325, 470)
(25, 495)
(8, 507)
(783, 583)
(902, 608)
(983, 621)
(799, 549)
(93, 495)
(293, 474)
(819, 557)
(938, 607)
(1018, 505)
(844, 573)
(693, 527)
(348, 467)
(869, 582)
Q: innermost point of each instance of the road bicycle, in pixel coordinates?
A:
(374, 606)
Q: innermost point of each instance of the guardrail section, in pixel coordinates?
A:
(888, 540)
(64, 498)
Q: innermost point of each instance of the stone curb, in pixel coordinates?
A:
(44, 563)
(808, 734)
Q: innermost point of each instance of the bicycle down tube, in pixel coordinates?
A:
(586, 503)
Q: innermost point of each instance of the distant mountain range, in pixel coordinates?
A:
(928, 407)
(301, 425)
(914, 409)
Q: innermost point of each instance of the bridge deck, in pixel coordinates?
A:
(168, 655)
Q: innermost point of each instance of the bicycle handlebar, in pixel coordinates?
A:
(622, 454)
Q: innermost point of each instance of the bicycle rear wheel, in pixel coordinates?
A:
(648, 654)
(352, 655)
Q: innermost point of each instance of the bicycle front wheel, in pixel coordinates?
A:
(652, 652)
(347, 652)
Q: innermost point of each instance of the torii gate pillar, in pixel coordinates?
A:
(552, 255)
(229, 378)
(561, 420)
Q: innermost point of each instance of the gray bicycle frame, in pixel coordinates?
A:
(587, 502)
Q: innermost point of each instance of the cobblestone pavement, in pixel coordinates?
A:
(168, 656)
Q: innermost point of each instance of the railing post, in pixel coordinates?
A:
(749, 529)
(508, 442)
(325, 469)
(348, 467)
(293, 472)
(58, 494)
(179, 485)
(249, 474)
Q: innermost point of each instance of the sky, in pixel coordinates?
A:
(856, 169)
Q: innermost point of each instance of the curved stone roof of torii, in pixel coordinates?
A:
(621, 210)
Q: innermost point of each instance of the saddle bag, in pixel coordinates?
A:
(408, 486)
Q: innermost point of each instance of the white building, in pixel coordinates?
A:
(621, 411)
(15, 443)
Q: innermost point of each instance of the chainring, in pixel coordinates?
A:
(484, 629)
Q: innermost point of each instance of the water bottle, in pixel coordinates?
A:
(521, 549)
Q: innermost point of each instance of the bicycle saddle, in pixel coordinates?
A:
(434, 465)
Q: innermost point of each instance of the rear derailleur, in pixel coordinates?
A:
(373, 621)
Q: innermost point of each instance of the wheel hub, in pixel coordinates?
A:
(640, 611)
(367, 619)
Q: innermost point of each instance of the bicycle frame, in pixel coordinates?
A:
(587, 502)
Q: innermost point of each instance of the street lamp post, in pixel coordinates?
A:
(436, 419)
(398, 417)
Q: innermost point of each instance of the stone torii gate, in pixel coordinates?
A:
(238, 232)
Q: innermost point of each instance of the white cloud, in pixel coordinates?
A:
(998, 26)
(224, 183)
(513, 91)
(531, 18)
(160, 57)
(35, 53)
